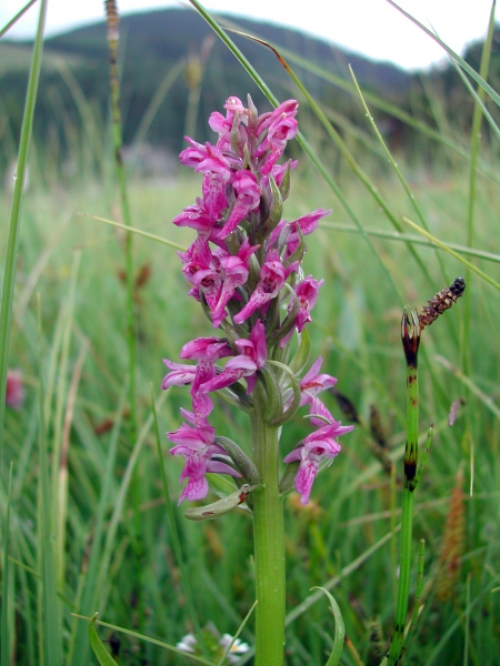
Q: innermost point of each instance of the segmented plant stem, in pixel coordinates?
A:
(114, 82)
(268, 542)
(410, 330)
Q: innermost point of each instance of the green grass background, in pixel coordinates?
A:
(113, 550)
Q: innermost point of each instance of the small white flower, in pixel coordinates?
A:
(237, 648)
(187, 643)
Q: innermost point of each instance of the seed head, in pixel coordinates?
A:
(441, 302)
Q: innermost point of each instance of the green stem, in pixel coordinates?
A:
(411, 340)
(120, 172)
(268, 542)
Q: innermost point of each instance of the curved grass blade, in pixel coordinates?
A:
(408, 238)
(15, 217)
(240, 629)
(376, 102)
(147, 639)
(300, 138)
(102, 655)
(139, 232)
(333, 582)
(16, 18)
(464, 65)
(401, 179)
(6, 642)
(479, 110)
(338, 641)
(447, 248)
(342, 146)
(299, 610)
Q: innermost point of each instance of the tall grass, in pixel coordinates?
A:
(76, 402)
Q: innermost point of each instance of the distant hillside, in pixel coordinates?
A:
(151, 44)
(74, 84)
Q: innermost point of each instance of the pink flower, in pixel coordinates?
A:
(307, 295)
(272, 277)
(307, 224)
(14, 395)
(319, 445)
(207, 158)
(253, 357)
(207, 351)
(313, 383)
(247, 189)
(181, 374)
(197, 447)
(233, 274)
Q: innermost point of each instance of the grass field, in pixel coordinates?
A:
(88, 523)
(74, 263)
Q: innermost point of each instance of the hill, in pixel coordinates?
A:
(152, 44)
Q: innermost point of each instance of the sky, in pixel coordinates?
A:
(370, 27)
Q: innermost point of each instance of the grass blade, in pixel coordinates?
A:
(240, 629)
(16, 18)
(139, 232)
(300, 138)
(464, 65)
(6, 642)
(50, 619)
(90, 592)
(408, 238)
(15, 217)
(474, 155)
(401, 179)
(103, 656)
(147, 639)
(114, 84)
(338, 641)
(447, 248)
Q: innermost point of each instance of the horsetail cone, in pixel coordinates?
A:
(442, 301)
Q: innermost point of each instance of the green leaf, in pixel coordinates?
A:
(146, 639)
(222, 484)
(338, 641)
(295, 386)
(301, 358)
(240, 459)
(274, 408)
(275, 215)
(103, 656)
(287, 483)
(221, 507)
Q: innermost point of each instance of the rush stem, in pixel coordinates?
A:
(410, 470)
(269, 546)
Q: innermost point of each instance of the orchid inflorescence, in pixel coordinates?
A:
(245, 270)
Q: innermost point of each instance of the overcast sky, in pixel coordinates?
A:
(370, 27)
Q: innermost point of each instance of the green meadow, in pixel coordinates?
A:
(88, 525)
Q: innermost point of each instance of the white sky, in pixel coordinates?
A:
(370, 27)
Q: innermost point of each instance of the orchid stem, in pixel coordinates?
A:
(268, 541)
